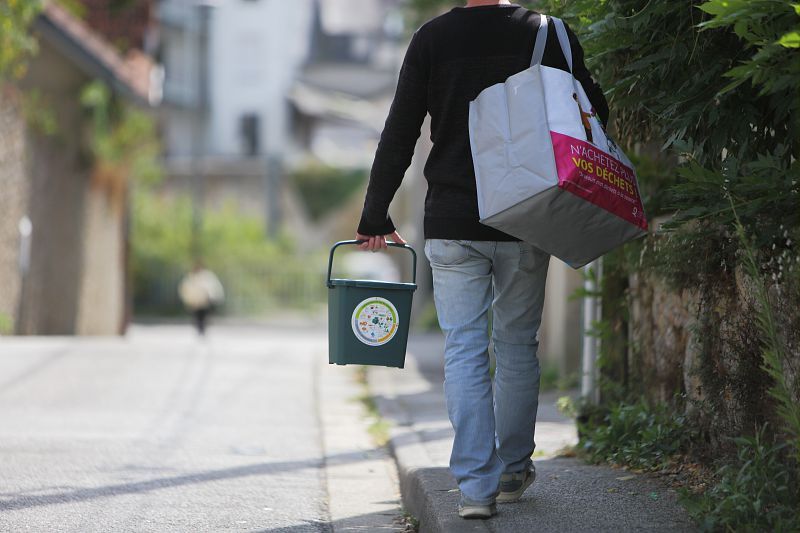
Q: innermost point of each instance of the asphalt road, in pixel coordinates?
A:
(159, 431)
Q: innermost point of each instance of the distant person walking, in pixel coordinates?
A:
(449, 61)
(201, 291)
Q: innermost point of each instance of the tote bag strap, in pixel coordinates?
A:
(541, 41)
(563, 40)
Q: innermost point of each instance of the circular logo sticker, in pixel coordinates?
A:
(375, 321)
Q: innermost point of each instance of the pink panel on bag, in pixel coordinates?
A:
(588, 172)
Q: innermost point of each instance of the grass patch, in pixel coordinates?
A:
(408, 522)
(637, 435)
(323, 188)
(361, 375)
(378, 427)
(6, 324)
(756, 493)
(553, 380)
(427, 321)
(379, 431)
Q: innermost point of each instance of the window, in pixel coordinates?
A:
(249, 128)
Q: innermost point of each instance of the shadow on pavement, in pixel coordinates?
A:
(351, 523)
(568, 495)
(21, 500)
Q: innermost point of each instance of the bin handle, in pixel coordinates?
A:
(394, 244)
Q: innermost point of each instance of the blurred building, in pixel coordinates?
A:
(343, 92)
(68, 275)
(228, 66)
(341, 97)
(254, 88)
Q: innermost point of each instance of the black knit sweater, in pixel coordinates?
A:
(449, 60)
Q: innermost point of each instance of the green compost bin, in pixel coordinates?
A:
(368, 320)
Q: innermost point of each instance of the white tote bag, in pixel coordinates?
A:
(545, 170)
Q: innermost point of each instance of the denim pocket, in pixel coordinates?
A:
(446, 251)
(530, 257)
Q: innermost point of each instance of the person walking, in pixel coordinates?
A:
(476, 269)
(201, 291)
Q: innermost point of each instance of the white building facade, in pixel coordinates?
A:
(231, 61)
(254, 88)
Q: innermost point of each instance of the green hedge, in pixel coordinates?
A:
(324, 188)
(259, 274)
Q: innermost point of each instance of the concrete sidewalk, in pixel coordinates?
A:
(567, 496)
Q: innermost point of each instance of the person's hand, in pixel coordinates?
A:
(373, 243)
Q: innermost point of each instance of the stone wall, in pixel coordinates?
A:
(101, 300)
(13, 202)
(58, 173)
(661, 322)
(703, 344)
(76, 280)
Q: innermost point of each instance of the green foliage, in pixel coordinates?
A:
(38, 112)
(691, 256)
(554, 380)
(765, 191)
(122, 137)
(612, 328)
(16, 41)
(323, 188)
(655, 171)
(549, 377)
(775, 359)
(6, 324)
(409, 522)
(258, 274)
(160, 251)
(716, 82)
(670, 82)
(637, 435)
(757, 493)
(76, 8)
(567, 406)
(770, 28)
(427, 320)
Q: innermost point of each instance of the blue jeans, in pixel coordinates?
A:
(494, 434)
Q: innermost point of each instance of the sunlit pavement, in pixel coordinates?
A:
(163, 431)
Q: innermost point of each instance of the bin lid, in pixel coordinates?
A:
(373, 284)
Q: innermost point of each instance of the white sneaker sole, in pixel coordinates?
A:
(477, 511)
(511, 497)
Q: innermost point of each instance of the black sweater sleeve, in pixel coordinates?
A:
(397, 141)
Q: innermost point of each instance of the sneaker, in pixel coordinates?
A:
(470, 509)
(513, 485)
